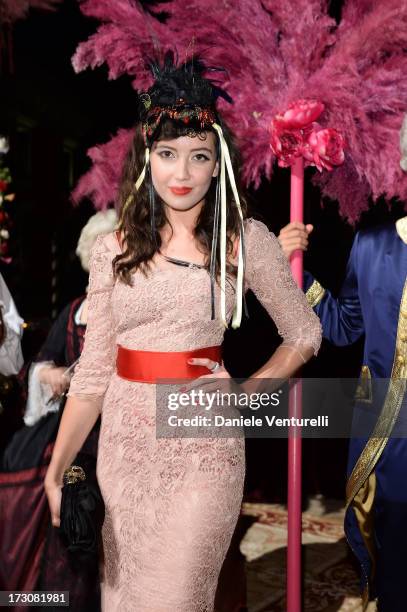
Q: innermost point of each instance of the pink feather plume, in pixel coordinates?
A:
(101, 182)
(274, 53)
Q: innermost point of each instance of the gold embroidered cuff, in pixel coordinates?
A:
(315, 294)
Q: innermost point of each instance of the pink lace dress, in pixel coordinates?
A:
(171, 504)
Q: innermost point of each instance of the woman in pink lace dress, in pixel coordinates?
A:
(171, 504)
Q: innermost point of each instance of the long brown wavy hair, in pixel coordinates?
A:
(139, 246)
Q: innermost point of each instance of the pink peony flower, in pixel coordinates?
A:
(325, 148)
(301, 113)
(296, 133)
(286, 144)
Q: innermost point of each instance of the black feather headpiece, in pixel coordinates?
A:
(181, 93)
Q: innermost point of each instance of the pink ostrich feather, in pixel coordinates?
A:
(275, 53)
(127, 36)
(12, 10)
(101, 182)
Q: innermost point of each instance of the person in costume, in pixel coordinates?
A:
(32, 556)
(161, 294)
(373, 303)
(48, 377)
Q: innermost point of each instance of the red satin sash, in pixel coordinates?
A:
(150, 366)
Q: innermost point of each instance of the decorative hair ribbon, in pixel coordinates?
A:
(225, 159)
(137, 185)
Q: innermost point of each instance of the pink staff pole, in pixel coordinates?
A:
(295, 409)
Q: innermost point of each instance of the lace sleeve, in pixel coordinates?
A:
(95, 367)
(269, 276)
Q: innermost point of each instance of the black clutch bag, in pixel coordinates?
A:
(82, 514)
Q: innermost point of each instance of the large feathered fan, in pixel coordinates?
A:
(274, 53)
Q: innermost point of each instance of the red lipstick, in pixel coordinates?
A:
(181, 190)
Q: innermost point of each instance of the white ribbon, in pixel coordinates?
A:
(143, 172)
(138, 183)
(225, 158)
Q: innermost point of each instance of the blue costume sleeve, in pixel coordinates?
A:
(341, 317)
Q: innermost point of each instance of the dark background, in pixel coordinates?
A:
(52, 116)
